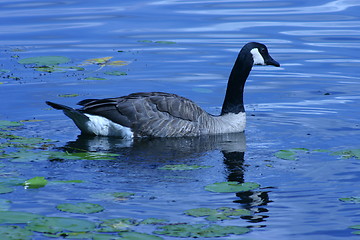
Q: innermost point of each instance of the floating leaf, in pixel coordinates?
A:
(31, 140)
(227, 187)
(51, 69)
(12, 217)
(138, 236)
(201, 212)
(98, 61)
(153, 221)
(36, 182)
(351, 153)
(117, 63)
(30, 156)
(350, 199)
(355, 227)
(182, 167)
(68, 95)
(94, 155)
(82, 236)
(31, 120)
(116, 73)
(5, 124)
(44, 60)
(5, 189)
(60, 224)
(218, 214)
(117, 224)
(200, 230)
(145, 41)
(95, 78)
(80, 208)
(9, 232)
(4, 71)
(165, 42)
(116, 196)
(300, 149)
(4, 204)
(286, 155)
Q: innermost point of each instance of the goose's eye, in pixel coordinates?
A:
(262, 50)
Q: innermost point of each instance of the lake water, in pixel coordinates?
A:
(310, 103)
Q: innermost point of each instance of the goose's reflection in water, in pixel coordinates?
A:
(178, 150)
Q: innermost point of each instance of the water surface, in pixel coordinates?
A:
(188, 48)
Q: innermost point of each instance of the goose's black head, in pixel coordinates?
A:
(260, 54)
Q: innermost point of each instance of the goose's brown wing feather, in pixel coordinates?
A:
(150, 114)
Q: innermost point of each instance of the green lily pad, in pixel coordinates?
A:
(350, 199)
(80, 208)
(4, 204)
(60, 224)
(4, 71)
(200, 230)
(351, 153)
(94, 155)
(95, 78)
(115, 73)
(5, 124)
(30, 140)
(117, 225)
(36, 182)
(117, 63)
(138, 236)
(223, 213)
(165, 42)
(182, 167)
(116, 196)
(82, 236)
(286, 155)
(5, 189)
(31, 156)
(201, 212)
(153, 221)
(145, 41)
(51, 69)
(68, 95)
(45, 60)
(227, 187)
(355, 227)
(9, 232)
(12, 217)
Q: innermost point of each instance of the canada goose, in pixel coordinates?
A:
(158, 114)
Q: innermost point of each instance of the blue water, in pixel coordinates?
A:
(311, 101)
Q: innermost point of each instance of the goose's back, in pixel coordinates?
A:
(154, 114)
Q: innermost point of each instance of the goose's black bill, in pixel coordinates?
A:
(271, 61)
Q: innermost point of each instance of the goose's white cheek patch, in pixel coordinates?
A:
(258, 59)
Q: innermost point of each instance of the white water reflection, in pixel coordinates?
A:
(241, 25)
(330, 7)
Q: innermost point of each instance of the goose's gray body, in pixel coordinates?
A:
(158, 114)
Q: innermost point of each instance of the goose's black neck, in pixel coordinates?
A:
(233, 102)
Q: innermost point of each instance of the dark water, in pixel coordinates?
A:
(312, 102)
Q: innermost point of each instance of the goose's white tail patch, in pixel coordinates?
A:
(257, 57)
(97, 125)
(104, 127)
